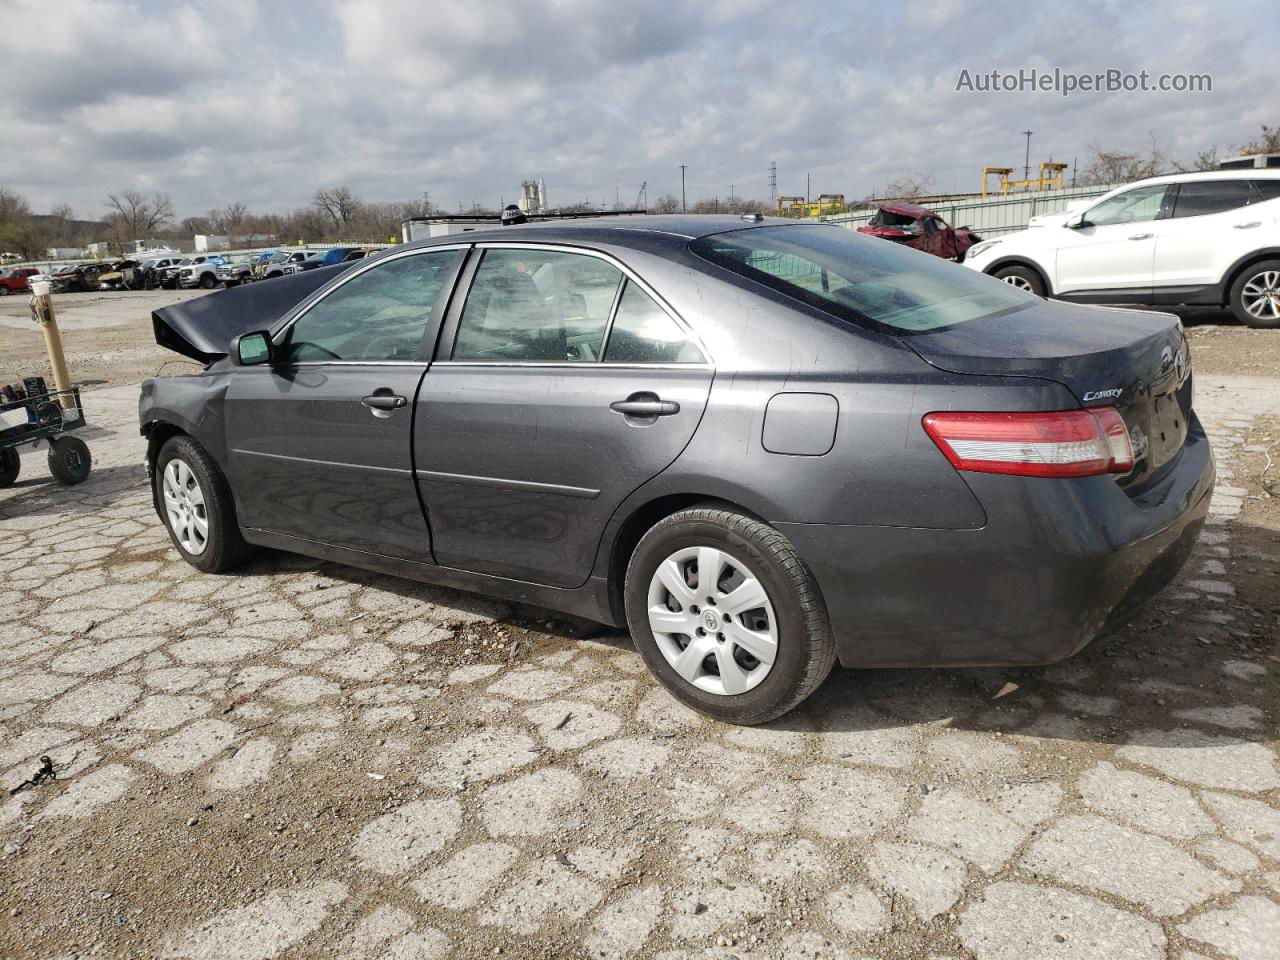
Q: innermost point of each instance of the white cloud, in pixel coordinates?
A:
(262, 103)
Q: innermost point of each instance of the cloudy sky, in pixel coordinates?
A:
(263, 102)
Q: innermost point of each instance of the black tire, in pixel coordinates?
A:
(69, 460)
(225, 548)
(208, 281)
(1256, 274)
(806, 647)
(10, 466)
(1022, 277)
(4, 291)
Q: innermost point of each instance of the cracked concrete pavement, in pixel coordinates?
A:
(304, 760)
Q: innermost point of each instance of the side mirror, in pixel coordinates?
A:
(1076, 221)
(250, 349)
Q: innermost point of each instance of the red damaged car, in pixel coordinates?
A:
(923, 229)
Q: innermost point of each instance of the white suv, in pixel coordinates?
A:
(1193, 238)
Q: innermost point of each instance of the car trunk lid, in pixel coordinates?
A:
(1135, 361)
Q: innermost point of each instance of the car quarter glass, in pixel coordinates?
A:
(537, 305)
(643, 332)
(380, 314)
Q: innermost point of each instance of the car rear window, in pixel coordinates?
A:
(861, 279)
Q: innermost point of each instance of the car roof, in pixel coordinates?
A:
(631, 231)
(1257, 173)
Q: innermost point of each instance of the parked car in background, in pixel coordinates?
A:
(920, 228)
(234, 274)
(1210, 238)
(200, 272)
(608, 421)
(16, 279)
(151, 268)
(120, 275)
(280, 264)
(169, 278)
(77, 277)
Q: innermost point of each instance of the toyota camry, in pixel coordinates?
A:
(761, 446)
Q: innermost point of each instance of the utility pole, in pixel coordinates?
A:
(1026, 165)
(1073, 171)
(684, 206)
(773, 183)
(806, 188)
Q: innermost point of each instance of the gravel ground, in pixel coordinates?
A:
(305, 760)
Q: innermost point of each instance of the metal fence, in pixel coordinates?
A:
(991, 216)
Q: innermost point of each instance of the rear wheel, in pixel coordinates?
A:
(1255, 296)
(4, 291)
(726, 615)
(208, 281)
(196, 506)
(10, 466)
(1024, 278)
(69, 460)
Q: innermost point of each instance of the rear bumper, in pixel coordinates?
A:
(1058, 563)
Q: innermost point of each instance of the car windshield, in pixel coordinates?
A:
(861, 279)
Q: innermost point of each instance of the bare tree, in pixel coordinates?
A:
(233, 217)
(667, 203)
(1267, 142)
(134, 216)
(13, 207)
(911, 186)
(1121, 166)
(338, 203)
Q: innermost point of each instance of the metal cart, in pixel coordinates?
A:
(43, 418)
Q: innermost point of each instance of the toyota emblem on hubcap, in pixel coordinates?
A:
(711, 621)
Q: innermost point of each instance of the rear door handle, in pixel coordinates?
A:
(1142, 236)
(1248, 226)
(645, 407)
(384, 401)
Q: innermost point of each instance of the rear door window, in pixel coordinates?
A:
(533, 305)
(378, 315)
(1199, 198)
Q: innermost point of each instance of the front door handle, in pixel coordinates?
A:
(1142, 236)
(645, 405)
(382, 402)
(1248, 226)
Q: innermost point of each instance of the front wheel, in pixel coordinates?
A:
(1024, 278)
(1255, 296)
(69, 460)
(727, 616)
(208, 281)
(10, 466)
(195, 504)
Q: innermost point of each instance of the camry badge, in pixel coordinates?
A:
(1103, 394)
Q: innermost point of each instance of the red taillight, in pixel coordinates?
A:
(1069, 443)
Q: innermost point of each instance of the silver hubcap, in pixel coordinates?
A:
(712, 620)
(1022, 283)
(184, 505)
(1261, 295)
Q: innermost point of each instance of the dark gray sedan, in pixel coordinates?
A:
(761, 446)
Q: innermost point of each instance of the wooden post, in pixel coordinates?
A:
(42, 305)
